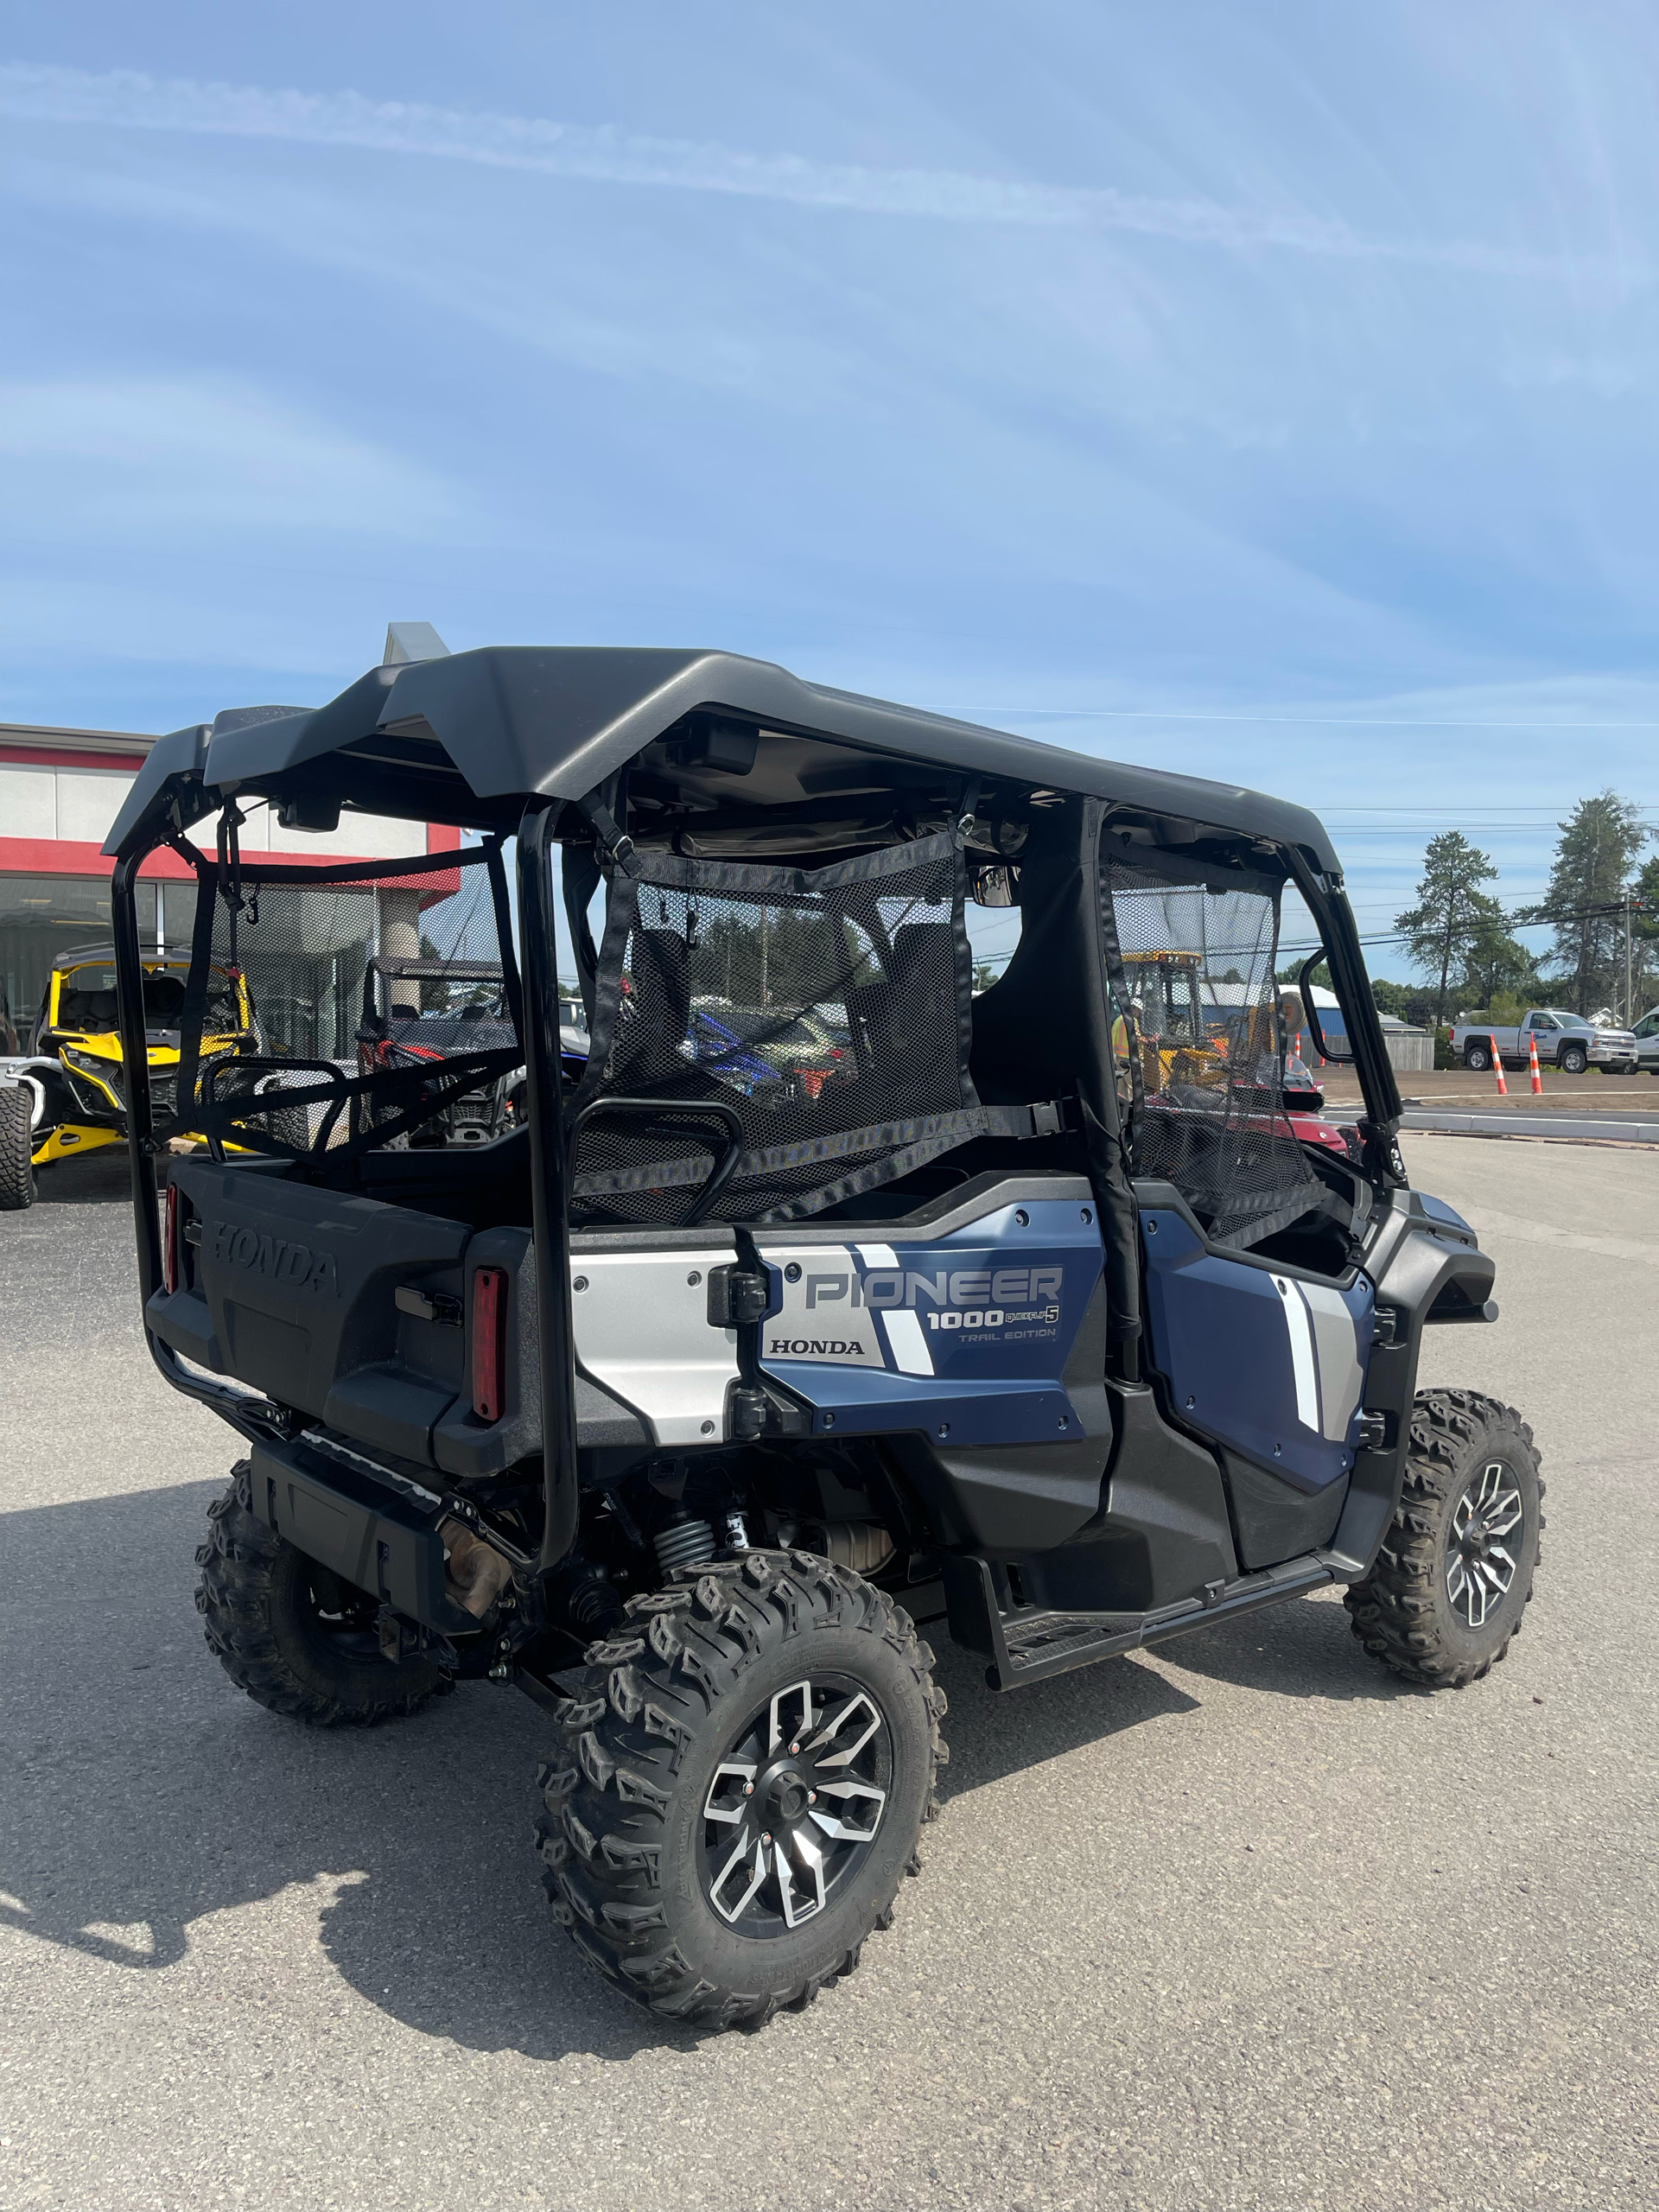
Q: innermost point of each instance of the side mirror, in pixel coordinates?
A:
(316, 816)
(993, 885)
(1305, 986)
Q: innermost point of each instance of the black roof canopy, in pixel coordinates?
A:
(470, 737)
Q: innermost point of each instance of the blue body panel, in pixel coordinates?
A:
(853, 1401)
(966, 1334)
(1270, 1363)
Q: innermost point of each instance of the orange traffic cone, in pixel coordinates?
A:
(1532, 1056)
(1497, 1063)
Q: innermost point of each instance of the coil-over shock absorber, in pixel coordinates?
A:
(681, 1542)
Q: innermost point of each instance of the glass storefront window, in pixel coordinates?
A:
(41, 916)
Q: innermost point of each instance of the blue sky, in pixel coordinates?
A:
(1264, 393)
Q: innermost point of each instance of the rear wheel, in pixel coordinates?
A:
(16, 1143)
(741, 1788)
(1477, 1057)
(1444, 1598)
(292, 1634)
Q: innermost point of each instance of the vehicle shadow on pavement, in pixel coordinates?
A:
(147, 1793)
(103, 1178)
(994, 1734)
(1305, 1648)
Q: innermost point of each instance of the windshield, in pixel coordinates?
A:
(755, 1027)
(489, 1008)
(86, 999)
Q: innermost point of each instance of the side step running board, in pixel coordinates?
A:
(1028, 1644)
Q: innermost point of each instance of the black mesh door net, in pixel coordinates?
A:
(818, 1019)
(1198, 1048)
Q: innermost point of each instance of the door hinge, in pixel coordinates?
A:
(737, 1296)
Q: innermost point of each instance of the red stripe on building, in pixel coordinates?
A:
(70, 856)
(41, 756)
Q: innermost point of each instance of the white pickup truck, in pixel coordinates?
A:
(1569, 1041)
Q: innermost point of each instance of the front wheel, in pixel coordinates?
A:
(741, 1788)
(1445, 1595)
(17, 1147)
(1574, 1059)
(292, 1634)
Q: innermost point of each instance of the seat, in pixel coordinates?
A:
(916, 999)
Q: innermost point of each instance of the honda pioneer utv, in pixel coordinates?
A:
(679, 1395)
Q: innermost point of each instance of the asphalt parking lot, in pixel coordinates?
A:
(1241, 1923)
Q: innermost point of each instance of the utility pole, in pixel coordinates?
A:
(1630, 991)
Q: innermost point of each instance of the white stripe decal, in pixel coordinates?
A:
(909, 1341)
(1302, 1353)
(906, 1339)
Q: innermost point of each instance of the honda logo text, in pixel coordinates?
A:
(295, 1267)
(815, 1348)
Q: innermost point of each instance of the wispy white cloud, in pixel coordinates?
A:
(94, 460)
(126, 100)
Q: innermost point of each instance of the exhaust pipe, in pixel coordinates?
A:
(474, 1572)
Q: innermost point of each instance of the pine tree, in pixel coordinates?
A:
(1442, 928)
(1599, 840)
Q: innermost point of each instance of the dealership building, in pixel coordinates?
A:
(61, 790)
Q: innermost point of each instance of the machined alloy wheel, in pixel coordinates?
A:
(794, 1806)
(741, 1786)
(1479, 1566)
(1454, 1573)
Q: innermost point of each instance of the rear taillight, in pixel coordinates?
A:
(170, 1241)
(489, 1342)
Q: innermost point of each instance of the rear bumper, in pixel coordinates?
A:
(382, 1539)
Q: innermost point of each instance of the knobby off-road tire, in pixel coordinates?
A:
(1463, 1542)
(16, 1143)
(693, 1680)
(291, 1634)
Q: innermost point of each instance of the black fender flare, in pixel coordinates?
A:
(1426, 1271)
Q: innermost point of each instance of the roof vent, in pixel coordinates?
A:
(407, 641)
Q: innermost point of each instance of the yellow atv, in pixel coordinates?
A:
(76, 1062)
(1166, 1001)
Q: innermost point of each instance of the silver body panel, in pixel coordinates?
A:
(643, 1332)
